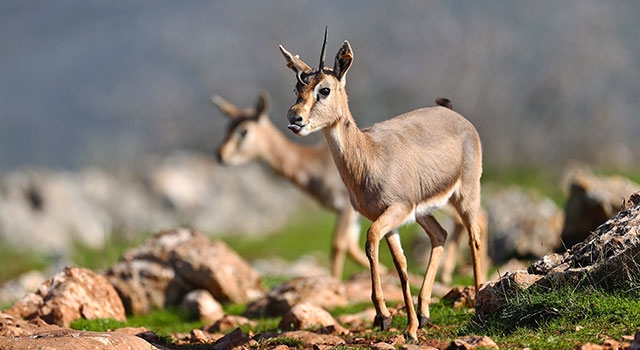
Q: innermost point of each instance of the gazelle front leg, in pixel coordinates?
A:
(393, 217)
(438, 236)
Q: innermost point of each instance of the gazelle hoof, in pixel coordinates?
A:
(382, 322)
(423, 321)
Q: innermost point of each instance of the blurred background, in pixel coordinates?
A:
(102, 82)
(98, 98)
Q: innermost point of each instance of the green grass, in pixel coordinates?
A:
(560, 318)
(15, 261)
(164, 322)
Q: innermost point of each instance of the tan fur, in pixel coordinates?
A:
(396, 171)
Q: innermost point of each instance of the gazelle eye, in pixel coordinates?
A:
(242, 133)
(324, 91)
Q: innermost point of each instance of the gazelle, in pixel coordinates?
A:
(396, 171)
(251, 135)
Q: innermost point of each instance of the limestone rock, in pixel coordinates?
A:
(327, 292)
(202, 305)
(522, 224)
(229, 322)
(160, 272)
(69, 295)
(144, 285)
(358, 287)
(592, 201)
(461, 298)
(313, 339)
(232, 340)
(474, 342)
(64, 338)
(305, 316)
(608, 257)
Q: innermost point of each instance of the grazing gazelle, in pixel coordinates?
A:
(396, 171)
(251, 135)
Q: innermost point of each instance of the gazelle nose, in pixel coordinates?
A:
(295, 119)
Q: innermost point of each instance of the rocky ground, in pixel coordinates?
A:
(183, 268)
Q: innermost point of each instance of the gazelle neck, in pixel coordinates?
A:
(284, 156)
(348, 145)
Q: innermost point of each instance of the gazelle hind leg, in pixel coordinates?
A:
(438, 236)
(400, 261)
(468, 208)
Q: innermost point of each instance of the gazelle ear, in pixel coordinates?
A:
(344, 58)
(225, 107)
(294, 62)
(262, 105)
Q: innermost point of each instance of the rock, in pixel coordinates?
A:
(635, 345)
(11, 326)
(607, 258)
(327, 292)
(461, 297)
(592, 201)
(201, 304)
(71, 339)
(358, 288)
(359, 319)
(494, 294)
(69, 295)
(144, 285)
(312, 339)
(232, 340)
(305, 266)
(474, 342)
(305, 315)
(522, 224)
(18, 287)
(229, 322)
(160, 272)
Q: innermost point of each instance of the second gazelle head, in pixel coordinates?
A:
(321, 96)
(242, 141)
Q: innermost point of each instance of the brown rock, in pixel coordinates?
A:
(69, 295)
(232, 340)
(305, 316)
(144, 285)
(474, 342)
(358, 288)
(359, 319)
(461, 297)
(493, 294)
(168, 265)
(63, 338)
(523, 224)
(592, 201)
(201, 304)
(229, 322)
(314, 339)
(327, 292)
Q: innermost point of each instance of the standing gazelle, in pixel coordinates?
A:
(251, 135)
(396, 171)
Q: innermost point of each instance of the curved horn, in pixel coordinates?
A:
(323, 54)
(299, 77)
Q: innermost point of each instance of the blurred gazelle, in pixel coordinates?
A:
(396, 171)
(251, 135)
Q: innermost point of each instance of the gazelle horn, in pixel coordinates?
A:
(323, 54)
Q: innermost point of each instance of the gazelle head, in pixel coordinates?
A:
(242, 140)
(321, 96)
